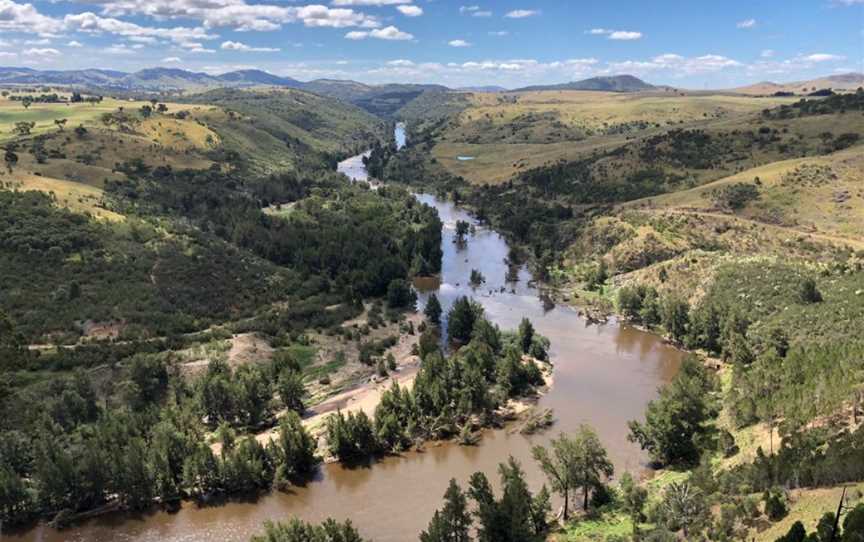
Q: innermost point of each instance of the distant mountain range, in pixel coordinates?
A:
(151, 79)
(381, 99)
(378, 99)
(175, 79)
(613, 83)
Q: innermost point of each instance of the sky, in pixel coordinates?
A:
(685, 43)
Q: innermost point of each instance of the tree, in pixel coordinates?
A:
(293, 451)
(513, 518)
(146, 111)
(15, 500)
(633, 499)
(516, 502)
(559, 467)
(578, 461)
(853, 525)
(291, 390)
(296, 530)
(80, 132)
(24, 127)
(433, 310)
(461, 319)
(683, 507)
(351, 437)
(674, 421)
(453, 522)
(592, 463)
(60, 123)
(674, 315)
(462, 228)
(27, 102)
(400, 295)
(10, 158)
(797, 533)
(650, 311)
(526, 335)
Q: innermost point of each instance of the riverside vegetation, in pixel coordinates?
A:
(104, 402)
(714, 234)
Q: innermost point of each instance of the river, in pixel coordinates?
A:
(604, 376)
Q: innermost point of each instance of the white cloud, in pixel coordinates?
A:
(74, 43)
(119, 49)
(402, 63)
(676, 65)
(410, 11)
(16, 17)
(195, 47)
(239, 46)
(823, 57)
(767, 53)
(143, 39)
(4, 54)
(171, 59)
(484, 13)
(91, 23)
(468, 9)
(458, 43)
(369, 2)
(746, 23)
(625, 35)
(387, 33)
(521, 13)
(499, 33)
(620, 35)
(242, 16)
(47, 51)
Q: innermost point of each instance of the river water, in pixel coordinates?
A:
(604, 376)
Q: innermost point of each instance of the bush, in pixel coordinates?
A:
(735, 196)
(775, 505)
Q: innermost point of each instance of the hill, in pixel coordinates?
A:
(613, 83)
(381, 100)
(838, 83)
(507, 133)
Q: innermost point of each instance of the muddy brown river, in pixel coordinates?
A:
(604, 376)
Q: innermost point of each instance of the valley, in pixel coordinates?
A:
(218, 305)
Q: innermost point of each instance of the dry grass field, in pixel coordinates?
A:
(823, 195)
(74, 196)
(74, 167)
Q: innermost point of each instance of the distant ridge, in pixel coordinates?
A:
(150, 79)
(483, 88)
(839, 82)
(612, 83)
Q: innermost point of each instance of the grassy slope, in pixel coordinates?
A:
(274, 129)
(509, 133)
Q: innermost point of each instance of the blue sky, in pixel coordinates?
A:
(694, 44)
